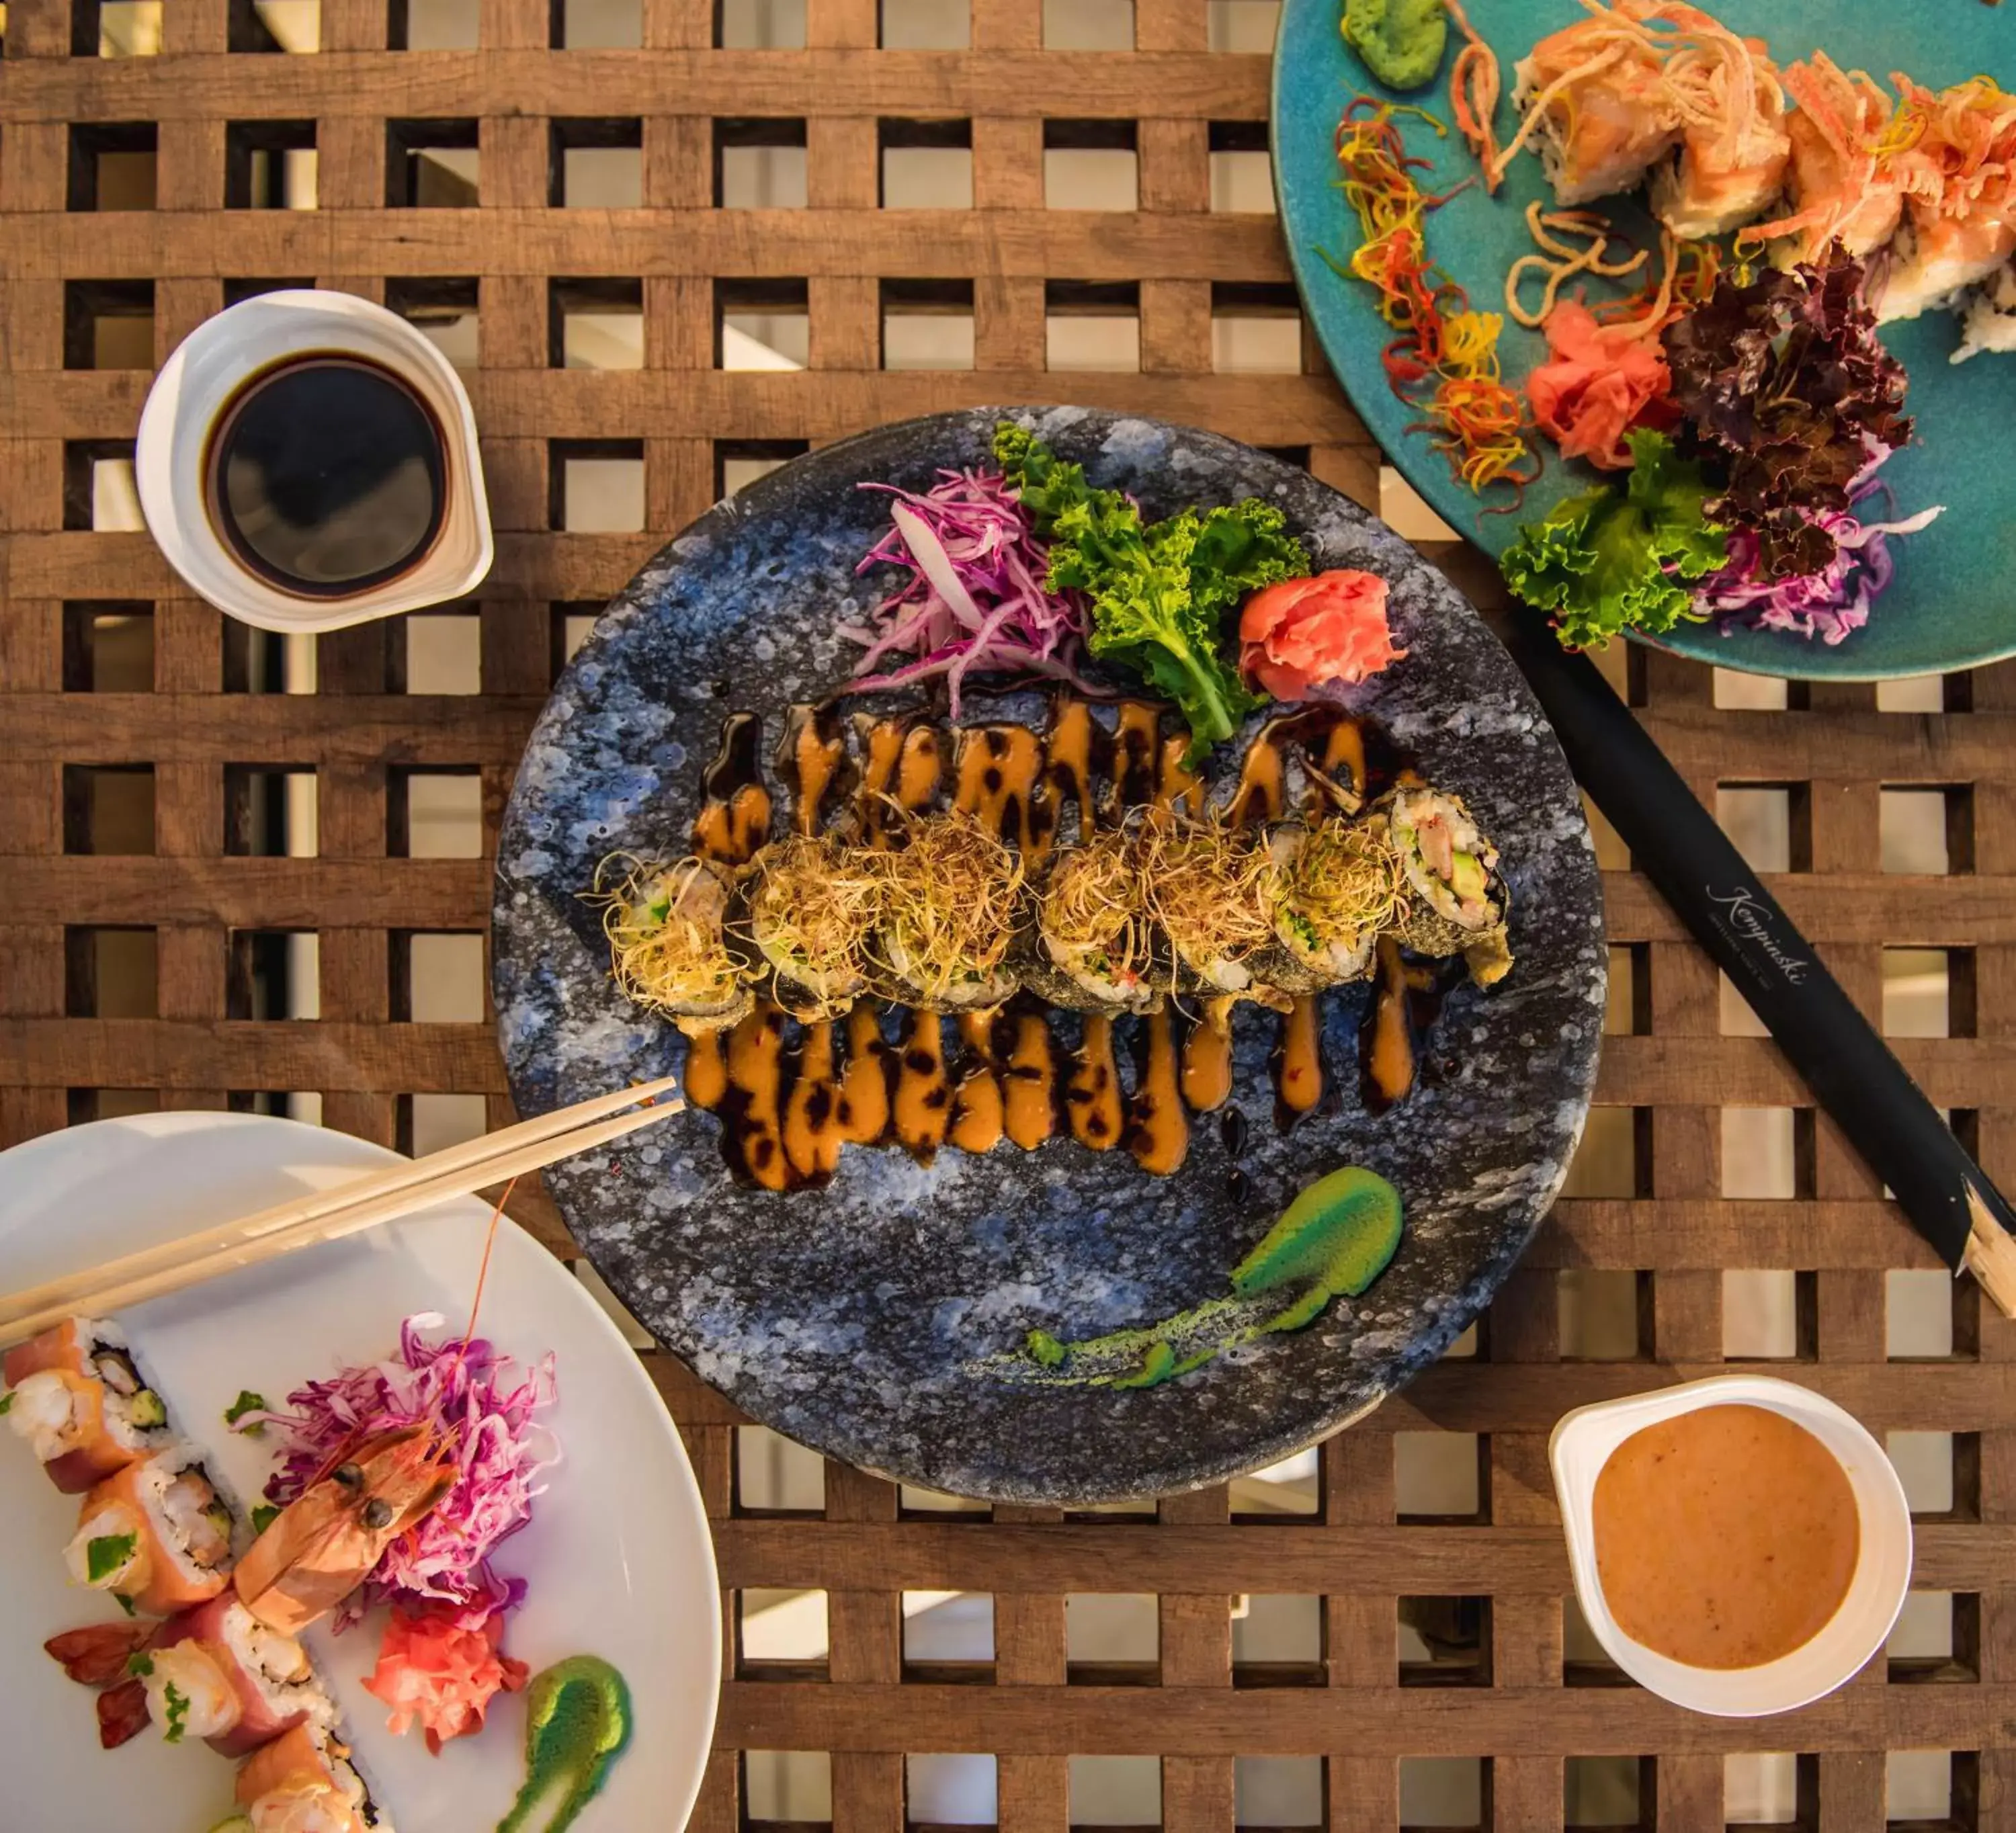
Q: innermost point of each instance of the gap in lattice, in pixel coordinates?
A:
(926, 164)
(438, 652)
(1278, 1791)
(595, 324)
(1931, 1789)
(237, 291)
(108, 808)
(791, 1786)
(781, 1634)
(1450, 1792)
(435, 814)
(1613, 1158)
(1770, 824)
(108, 325)
(948, 1635)
(437, 977)
(1246, 26)
(275, 27)
(108, 647)
(598, 25)
(433, 1122)
(935, 1504)
(569, 623)
(1092, 325)
(1608, 1792)
(760, 25)
(1440, 1478)
(111, 972)
(1627, 1010)
(774, 1475)
(740, 462)
(1765, 1788)
(1277, 1640)
(924, 25)
(1091, 165)
(270, 165)
(83, 1105)
(273, 974)
(99, 489)
(1605, 1314)
(444, 310)
(116, 28)
(759, 163)
(596, 486)
(1256, 327)
(927, 324)
(1940, 1473)
(433, 25)
(1920, 1315)
(596, 164)
(1585, 1661)
(112, 165)
(1114, 1790)
(1936, 1640)
(1241, 174)
(269, 811)
(1927, 831)
(1444, 1641)
(1769, 1314)
(1088, 25)
(951, 1789)
(762, 324)
(432, 165)
(1112, 1638)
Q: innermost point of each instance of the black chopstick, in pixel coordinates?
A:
(1677, 844)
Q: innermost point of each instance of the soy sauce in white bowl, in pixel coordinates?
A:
(326, 475)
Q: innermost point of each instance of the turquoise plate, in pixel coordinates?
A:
(1952, 603)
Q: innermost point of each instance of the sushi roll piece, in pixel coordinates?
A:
(1456, 901)
(1988, 319)
(1594, 100)
(1729, 168)
(216, 1673)
(1936, 257)
(810, 907)
(156, 1535)
(317, 1550)
(667, 941)
(74, 1394)
(304, 1782)
(1204, 884)
(1959, 176)
(1094, 944)
(948, 903)
(1841, 183)
(1336, 887)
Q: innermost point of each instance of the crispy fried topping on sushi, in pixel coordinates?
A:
(666, 948)
(1093, 922)
(812, 910)
(1335, 887)
(1206, 885)
(945, 905)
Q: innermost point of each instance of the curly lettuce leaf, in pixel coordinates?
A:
(1161, 594)
(1615, 559)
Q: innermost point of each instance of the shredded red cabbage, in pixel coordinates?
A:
(974, 600)
(1829, 603)
(483, 1407)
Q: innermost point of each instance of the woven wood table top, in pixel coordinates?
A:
(153, 892)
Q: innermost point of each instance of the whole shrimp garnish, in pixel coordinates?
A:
(320, 1547)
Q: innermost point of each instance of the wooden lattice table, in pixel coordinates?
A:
(134, 806)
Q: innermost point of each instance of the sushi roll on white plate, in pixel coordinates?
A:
(303, 1782)
(74, 1394)
(156, 1535)
(218, 1674)
(1988, 317)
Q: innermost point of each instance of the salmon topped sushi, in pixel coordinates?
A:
(74, 1394)
(1734, 145)
(1958, 173)
(216, 1672)
(1841, 180)
(156, 1535)
(304, 1782)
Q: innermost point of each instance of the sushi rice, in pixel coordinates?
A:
(158, 1534)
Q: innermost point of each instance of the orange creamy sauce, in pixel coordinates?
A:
(1725, 1538)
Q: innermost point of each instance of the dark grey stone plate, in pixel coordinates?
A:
(849, 1318)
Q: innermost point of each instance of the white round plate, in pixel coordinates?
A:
(617, 1555)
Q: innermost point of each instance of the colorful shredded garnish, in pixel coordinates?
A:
(435, 1672)
(484, 1409)
(1445, 361)
(1474, 84)
(975, 599)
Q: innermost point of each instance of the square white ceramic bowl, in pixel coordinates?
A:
(1581, 1445)
(209, 367)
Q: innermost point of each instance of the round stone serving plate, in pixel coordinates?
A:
(853, 1317)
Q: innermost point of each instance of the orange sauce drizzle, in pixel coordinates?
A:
(1207, 1071)
(923, 1096)
(1158, 1128)
(1091, 1093)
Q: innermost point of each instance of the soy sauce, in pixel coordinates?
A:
(327, 475)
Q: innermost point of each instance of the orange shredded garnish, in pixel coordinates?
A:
(1474, 82)
(1445, 360)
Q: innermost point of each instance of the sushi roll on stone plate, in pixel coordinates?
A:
(303, 1782)
(809, 906)
(1457, 904)
(156, 1535)
(1091, 947)
(1206, 886)
(1336, 888)
(216, 1672)
(75, 1395)
(667, 943)
(947, 905)
(1988, 319)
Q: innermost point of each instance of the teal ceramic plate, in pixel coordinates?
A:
(1952, 603)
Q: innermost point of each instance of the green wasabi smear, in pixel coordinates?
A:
(1333, 1241)
(576, 1724)
(1401, 41)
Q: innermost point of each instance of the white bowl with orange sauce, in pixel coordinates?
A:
(1584, 1443)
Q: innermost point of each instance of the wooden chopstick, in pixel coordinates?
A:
(329, 1215)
